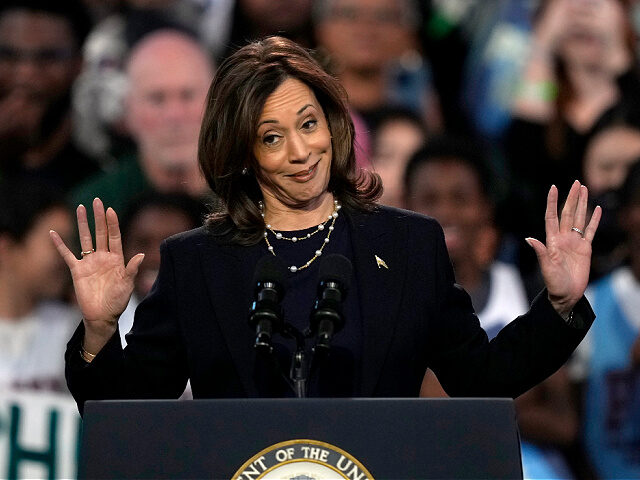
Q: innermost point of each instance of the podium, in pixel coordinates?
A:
(293, 438)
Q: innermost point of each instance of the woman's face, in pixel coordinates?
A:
(594, 30)
(293, 147)
(394, 144)
(608, 158)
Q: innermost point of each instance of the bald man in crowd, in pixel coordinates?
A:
(169, 74)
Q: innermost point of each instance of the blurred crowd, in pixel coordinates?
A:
(469, 110)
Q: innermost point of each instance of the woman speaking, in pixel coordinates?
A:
(276, 146)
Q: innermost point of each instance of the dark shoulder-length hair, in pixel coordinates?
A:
(556, 133)
(234, 103)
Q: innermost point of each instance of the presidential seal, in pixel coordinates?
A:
(302, 460)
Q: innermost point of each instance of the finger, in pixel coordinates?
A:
(568, 211)
(539, 248)
(86, 241)
(115, 240)
(102, 242)
(579, 221)
(66, 254)
(134, 264)
(551, 215)
(590, 231)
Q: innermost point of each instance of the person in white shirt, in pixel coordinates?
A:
(448, 180)
(34, 323)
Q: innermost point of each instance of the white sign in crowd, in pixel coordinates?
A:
(39, 436)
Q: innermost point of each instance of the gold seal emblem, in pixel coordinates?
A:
(302, 460)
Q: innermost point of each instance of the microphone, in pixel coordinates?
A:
(326, 317)
(265, 314)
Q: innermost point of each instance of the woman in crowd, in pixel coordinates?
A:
(581, 75)
(397, 134)
(276, 146)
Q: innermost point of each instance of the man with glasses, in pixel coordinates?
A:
(40, 46)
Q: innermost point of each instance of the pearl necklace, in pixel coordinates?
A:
(332, 217)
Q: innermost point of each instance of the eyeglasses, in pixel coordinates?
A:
(42, 57)
(379, 16)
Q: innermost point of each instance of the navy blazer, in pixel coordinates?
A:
(193, 324)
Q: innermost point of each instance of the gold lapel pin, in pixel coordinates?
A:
(380, 262)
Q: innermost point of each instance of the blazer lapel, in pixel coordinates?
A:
(379, 242)
(229, 273)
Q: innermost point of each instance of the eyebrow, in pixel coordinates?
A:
(297, 113)
(303, 108)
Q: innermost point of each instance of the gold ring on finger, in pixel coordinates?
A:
(87, 252)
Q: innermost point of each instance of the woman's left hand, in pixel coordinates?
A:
(565, 260)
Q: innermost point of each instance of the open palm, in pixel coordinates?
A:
(102, 283)
(565, 260)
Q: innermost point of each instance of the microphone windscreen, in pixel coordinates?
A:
(337, 268)
(270, 269)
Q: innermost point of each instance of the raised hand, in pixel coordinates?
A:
(552, 25)
(102, 283)
(565, 260)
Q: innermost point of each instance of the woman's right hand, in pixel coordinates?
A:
(102, 283)
(551, 26)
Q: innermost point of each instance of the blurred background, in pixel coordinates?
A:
(469, 111)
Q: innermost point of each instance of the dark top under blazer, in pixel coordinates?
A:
(193, 324)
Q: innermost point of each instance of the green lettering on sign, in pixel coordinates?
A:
(18, 454)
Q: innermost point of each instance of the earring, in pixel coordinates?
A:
(245, 171)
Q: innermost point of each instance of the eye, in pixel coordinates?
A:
(156, 98)
(310, 124)
(270, 139)
(460, 199)
(607, 167)
(187, 95)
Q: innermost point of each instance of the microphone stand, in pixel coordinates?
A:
(299, 363)
(299, 371)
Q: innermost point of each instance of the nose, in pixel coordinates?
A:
(445, 212)
(298, 149)
(176, 109)
(440, 209)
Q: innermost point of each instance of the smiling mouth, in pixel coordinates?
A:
(305, 175)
